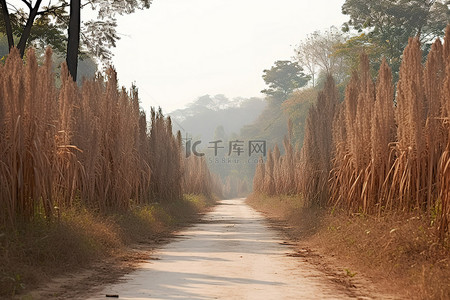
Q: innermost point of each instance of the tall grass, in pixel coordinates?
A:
(382, 149)
(89, 146)
(304, 171)
(408, 136)
(198, 179)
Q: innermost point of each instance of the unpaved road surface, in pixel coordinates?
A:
(231, 254)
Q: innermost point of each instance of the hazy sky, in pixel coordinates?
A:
(179, 50)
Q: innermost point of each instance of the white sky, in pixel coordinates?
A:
(179, 50)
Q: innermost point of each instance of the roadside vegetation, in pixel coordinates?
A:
(82, 173)
(357, 122)
(374, 170)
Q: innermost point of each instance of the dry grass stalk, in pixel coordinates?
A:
(318, 147)
(375, 155)
(87, 146)
(444, 161)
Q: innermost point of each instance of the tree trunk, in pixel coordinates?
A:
(7, 24)
(27, 30)
(74, 38)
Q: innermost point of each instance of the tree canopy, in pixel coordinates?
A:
(283, 78)
(316, 54)
(384, 26)
(32, 23)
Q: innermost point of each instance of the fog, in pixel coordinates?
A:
(179, 50)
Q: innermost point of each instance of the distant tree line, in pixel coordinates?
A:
(58, 24)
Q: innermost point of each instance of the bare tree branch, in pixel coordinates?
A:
(28, 4)
(52, 9)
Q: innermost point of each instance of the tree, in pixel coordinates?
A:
(43, 26)
(7, 23)
(283, 78)
(73, 41)
(296, 107)
(316, 54)
(386, 25)
(39, 25)
(219, 133)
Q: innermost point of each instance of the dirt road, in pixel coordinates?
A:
(232, 254)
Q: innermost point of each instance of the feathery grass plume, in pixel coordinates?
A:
(400, 169)
(87, 137)
(338, 180)
(298, 173)
(409, 170)
(278, 174)
(258, 179)
(344, 176)
(383, 134)
(288, 167)
(13, 142)
(435, 135)
(446, 52)
(165, 162)
(199, 180)
(345, 182)
(359, 135)
(362, 131)
(318, 148)
(444, 161)
(29, 151)
(269, 182)
(110, 134)
(67, 169)
(277, 170)
(444, 193)
(144, 154)
(196, 177)
(362, 127)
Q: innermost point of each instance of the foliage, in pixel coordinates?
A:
(317, 54)
(351, 49)
(203, 116)
(388, 24)
(46, 31)
(87, 65)
(39, 26)
(48, 24)
(283, 78)
(296, 108)
(270, 125)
